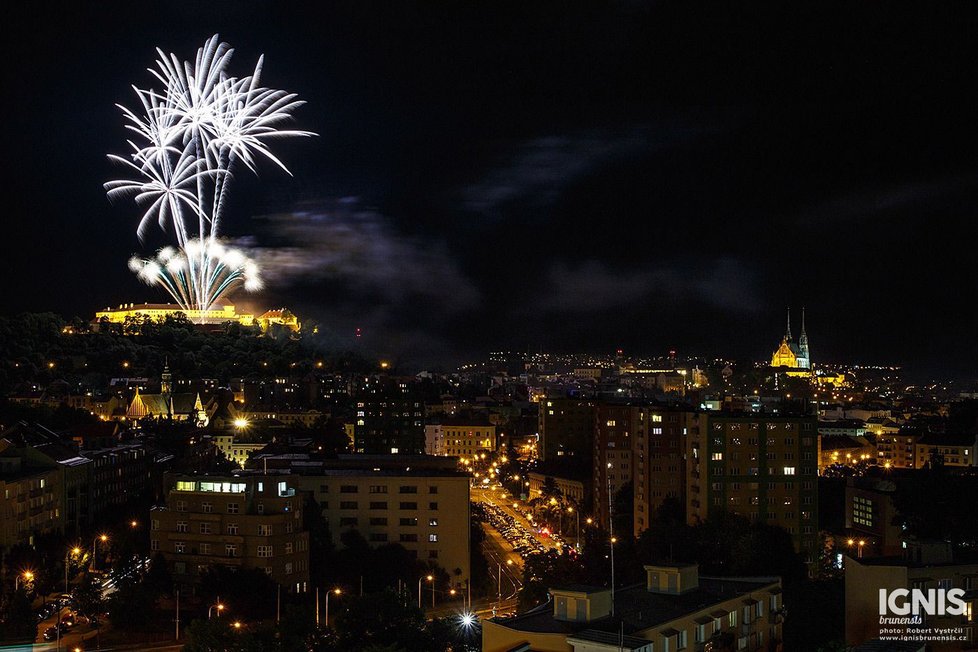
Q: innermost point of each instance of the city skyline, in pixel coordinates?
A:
(486, 182)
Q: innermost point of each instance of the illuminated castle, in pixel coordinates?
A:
(218, 313)
(792, 354)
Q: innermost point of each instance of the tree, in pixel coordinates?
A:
(132, 608)
(17, 622)
(88, 597)
(158, 580)
(249, 593)
(382, 619)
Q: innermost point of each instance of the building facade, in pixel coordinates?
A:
(30, 498)
(763, 467)
(424, 510)
(658, 459)
(389, 419)
(615, 428)
(418, 501)
(460, 439)
(949, 449)
(566, 428)
(242, 521)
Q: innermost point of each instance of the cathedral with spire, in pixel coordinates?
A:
(794, 354)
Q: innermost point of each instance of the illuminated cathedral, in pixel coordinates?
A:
(794, 354)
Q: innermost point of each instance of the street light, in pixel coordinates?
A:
(218, 606)
(103, 538)
(499, 579)
(431, 579)
(861, 544)
(335, 592)
(27, 575)
(73, 551)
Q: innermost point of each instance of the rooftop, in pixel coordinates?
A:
(637, 608)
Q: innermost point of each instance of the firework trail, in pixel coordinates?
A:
(187, 139)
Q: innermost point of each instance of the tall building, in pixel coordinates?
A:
(793, 354)
(761, 466)
(615, 427)
(658, 461)
(389, 419)
(243, 521)
(566, 427)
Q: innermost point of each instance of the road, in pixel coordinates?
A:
(487, 495)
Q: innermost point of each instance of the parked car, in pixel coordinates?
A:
(51, 633)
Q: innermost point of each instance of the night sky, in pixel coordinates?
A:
(573, 176)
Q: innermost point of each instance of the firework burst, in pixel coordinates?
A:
(187, 139)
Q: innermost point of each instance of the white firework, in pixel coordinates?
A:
(188, 137)
(225, 269)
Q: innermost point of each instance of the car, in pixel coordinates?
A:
(51, 633)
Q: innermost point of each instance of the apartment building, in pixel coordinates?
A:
(951, 449)
(896, 450)
(761, 466)
(245, 521)
(614, 430)
(389, 418)
(674, 609)
(30, 498)
(566, 428)
(658, 460)
(460, 438)
(420, 502)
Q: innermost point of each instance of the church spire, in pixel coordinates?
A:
(787, 335)
(803, 338)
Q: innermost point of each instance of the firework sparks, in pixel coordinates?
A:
(187, 139)
(223, 270)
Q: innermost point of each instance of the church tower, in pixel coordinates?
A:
(787, 334)
(166, 387)
(166, 379)
(804, 357)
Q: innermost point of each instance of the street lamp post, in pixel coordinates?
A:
(499, 582)
(431, 579)
(335, 591)
(27, 575)
(217, 605)
(103, 538)
(74, 551)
